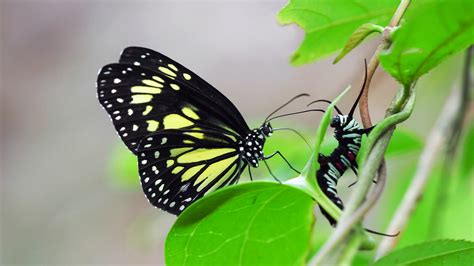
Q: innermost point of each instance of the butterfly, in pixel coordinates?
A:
(188, 137)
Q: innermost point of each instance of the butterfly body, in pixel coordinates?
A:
(251, 148)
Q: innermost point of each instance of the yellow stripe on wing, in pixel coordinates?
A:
(213, 171)
(199, 155)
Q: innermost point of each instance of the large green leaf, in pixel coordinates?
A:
(256, 223)
(440, 252)
(329, 23)
(431, 31)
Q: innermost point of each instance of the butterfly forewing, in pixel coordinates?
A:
(135, 99)
(140, 101)
(182, 76)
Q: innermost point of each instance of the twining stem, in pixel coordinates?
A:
(445, 128)
(374, 62)
(427, 160)
(348, 253)
(354, 212)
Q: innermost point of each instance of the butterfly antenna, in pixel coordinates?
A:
(360, 93)
(295, 113)
(297, 133)
(326, 101)
(381, 234)
(285, 104)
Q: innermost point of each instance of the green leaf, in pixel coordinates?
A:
(402, 142)
(329, 23)
(432, 31)
(454, 223)
(467, 157)
(258, 223)
(122, 168)
(429, 220)
(357, 37)
(440, 252)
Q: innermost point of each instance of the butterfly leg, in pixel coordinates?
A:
(270, 171)
(250, 174)
(283, 157)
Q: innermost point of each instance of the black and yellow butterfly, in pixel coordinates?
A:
(188, 137)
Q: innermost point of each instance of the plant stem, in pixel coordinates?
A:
(349, 251)
(435, 141)
(444, 190)
(401, 9)
(374, 62)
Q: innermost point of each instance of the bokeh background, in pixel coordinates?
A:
(68, 195)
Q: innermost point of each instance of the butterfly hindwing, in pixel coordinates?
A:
(178, 166)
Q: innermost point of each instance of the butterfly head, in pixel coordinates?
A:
(267, 129)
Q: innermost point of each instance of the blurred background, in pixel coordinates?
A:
(69, 190)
